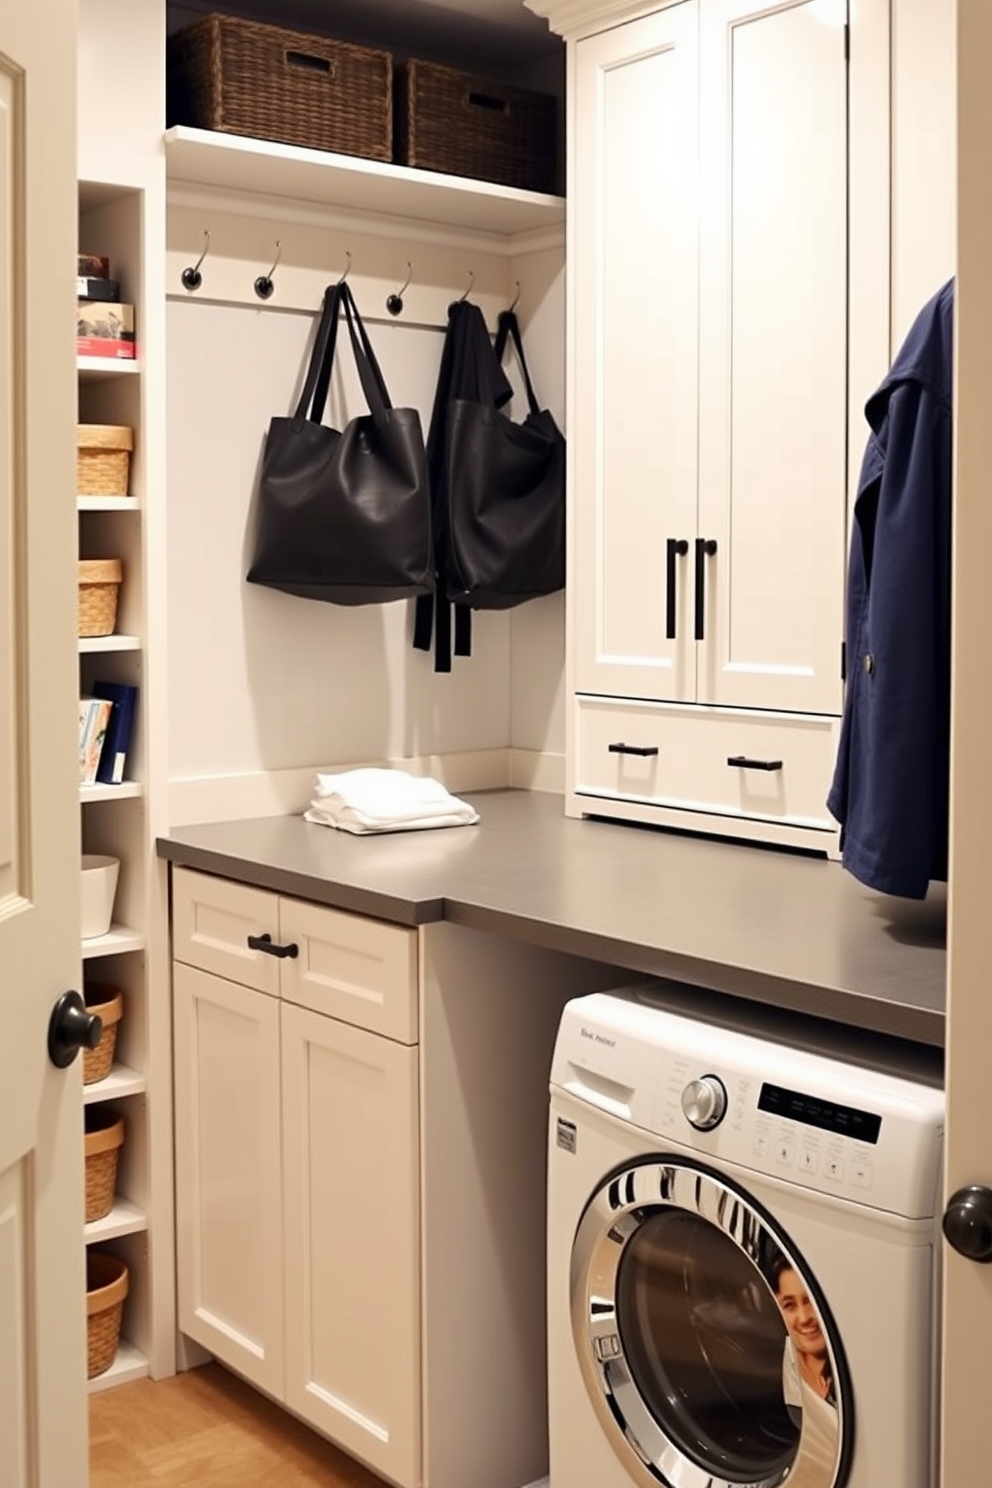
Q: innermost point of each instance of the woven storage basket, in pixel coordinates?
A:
(467, 125)
(106, 1288)
(103, 1140)
(242, 77)
(99, 587)
(103, 458)
(108, 1004)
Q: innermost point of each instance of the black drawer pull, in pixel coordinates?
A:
(264, 943)
(677, 548)
(705, 548)
(645, 750)
(741, 762)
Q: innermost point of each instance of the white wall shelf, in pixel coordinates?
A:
(128, 790)
(121, 1082)
(124, 1218)
(129, 1364)
(117, 940)
(94, 369)
(261, 168)
(110, 643)
(107, 503)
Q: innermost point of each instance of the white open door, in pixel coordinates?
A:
(967, 1384)
(42, 1286)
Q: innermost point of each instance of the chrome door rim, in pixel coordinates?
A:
(614, 1214)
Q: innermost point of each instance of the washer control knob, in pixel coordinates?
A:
(704, 1102)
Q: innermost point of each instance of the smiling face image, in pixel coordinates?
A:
(799, 1314)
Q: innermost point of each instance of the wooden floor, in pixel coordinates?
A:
(205, 1429)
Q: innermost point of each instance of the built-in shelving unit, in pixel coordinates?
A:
(228, 163)
(121, 198)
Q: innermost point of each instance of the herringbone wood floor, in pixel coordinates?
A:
(206, 1429)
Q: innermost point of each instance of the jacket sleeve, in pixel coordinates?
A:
(895, 837)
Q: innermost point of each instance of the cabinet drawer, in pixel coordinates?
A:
(691, 767)
(350, 967)
(211, 922)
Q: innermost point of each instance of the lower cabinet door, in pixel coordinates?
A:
(228, 1184)
(351, 1196)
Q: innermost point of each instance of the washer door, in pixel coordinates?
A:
(705, 1342)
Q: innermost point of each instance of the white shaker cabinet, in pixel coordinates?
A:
(719, 243)
(297, 1158)
(351, 1202)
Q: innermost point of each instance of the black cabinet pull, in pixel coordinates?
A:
(677, 548)
(645, 750)
(741, 762)
(264, 943)
(705, 548)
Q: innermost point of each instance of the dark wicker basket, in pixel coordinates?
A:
(467, 125)
(241, 77)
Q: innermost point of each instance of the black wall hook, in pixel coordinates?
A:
(347, 267)
(513, 303)
(394, 304)
(471, 281)
(192, 278)
(263, 284)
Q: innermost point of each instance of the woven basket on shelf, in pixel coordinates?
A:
(106, 1289)
(467, 125)
(99, 587)
(103, 457)
(108, 1004)
(243, 77)
(104, 1137)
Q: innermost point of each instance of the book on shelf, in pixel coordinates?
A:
(94, 715)
(122, 700)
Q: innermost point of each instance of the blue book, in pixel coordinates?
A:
(113, 757)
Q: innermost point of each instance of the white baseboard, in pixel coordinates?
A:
(287, 792)
(537, 770)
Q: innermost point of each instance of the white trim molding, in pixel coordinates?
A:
(572, 18)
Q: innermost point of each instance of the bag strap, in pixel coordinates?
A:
(507, 325)
(369, 371)
(316, 387)
(314, 394)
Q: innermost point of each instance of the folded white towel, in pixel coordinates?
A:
(376, 800)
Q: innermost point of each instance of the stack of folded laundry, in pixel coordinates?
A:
(377, 800)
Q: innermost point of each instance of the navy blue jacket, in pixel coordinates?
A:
(890, 786)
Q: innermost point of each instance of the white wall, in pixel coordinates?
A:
(261, 681)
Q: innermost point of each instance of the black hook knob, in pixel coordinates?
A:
(71, 1028)
(968, 1222)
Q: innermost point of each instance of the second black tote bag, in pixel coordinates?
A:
(344, 515)
(506, 497)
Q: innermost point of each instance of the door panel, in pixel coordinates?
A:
(42, 1273)
(228, 1179)
(773, 351)
(633, 444)
(352, 1220)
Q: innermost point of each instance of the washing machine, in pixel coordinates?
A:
(743, 1252)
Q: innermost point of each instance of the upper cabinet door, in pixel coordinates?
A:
(634, 359)
(773, 351)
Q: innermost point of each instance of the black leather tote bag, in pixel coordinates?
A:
(344, 515)
(505, 484)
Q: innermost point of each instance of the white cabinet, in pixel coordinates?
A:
(297, 1158)
(351, 1223)
(719, 233)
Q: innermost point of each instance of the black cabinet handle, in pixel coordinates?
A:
(645, 750)
(264, 943)
(741, 762)
(705, 548)
(677, 548)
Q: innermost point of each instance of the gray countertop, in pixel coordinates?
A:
(772, 926)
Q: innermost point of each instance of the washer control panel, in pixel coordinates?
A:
(814, 1121)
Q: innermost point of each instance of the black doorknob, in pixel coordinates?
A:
(968, 1222)
(71, 1028)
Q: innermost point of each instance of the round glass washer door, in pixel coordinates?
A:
(706, 1345)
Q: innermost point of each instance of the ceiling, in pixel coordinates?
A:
(503, 32)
